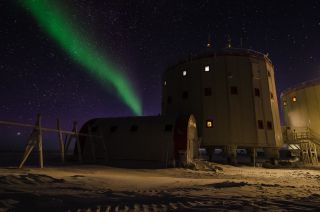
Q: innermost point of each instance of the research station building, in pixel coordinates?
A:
(155, 141)
(232, 94)
(301, 109)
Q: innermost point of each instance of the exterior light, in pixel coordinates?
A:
(294, 99)
(207, 68)
(165, 83)
(184, 73)
(285, 103)
(209, 124)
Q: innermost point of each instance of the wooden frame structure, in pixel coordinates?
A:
(35, 139)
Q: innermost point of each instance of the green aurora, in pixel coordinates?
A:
(58, 26)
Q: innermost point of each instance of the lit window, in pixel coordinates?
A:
(184, 73)
(165, 83)
(207, 68)
(209, 124)
(294, 99)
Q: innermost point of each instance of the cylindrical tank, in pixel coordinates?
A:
(151, 140)
(301, 108)
(232, 94)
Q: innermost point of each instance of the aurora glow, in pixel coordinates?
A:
(59, 27)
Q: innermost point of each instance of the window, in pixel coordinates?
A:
(294, 99)
(184, 73)
(269, 125)
(134, 128)
(207, 92)
(260, 124)
(207, 68)
(185, 95)
(209, 123)
(113, 128)
(234, 90)
(169, 100)
(168, 127)
(257, 92)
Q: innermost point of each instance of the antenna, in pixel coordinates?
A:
(209, 41)
(229, 42)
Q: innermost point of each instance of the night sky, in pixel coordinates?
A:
(142, 38)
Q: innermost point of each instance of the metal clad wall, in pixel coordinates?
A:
(235, 116)
(154, 139)
(277, 135)
(305, 112)
(247, 122)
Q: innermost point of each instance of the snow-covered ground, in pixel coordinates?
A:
(114, 189)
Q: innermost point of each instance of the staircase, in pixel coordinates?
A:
(304, 144)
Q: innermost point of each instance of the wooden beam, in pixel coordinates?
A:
(10, 123)
(40, 149)
(76, 135)
(61, 143)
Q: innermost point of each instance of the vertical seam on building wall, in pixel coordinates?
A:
(254, 101)
(228, 97)
(269, 101)
(241, 99)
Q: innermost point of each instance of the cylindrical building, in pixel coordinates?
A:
(150, 140)
(301, 106)
(233, 96)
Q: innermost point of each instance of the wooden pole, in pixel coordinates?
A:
(77, 141)
(66, 143)
(34, 139)
(27, 152)
(40, 148)
(60, 140)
